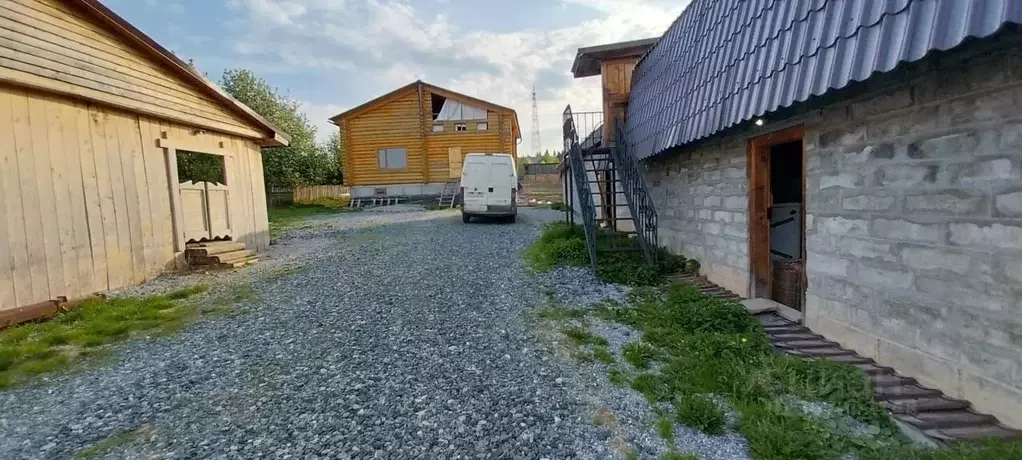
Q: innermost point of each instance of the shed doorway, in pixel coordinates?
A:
(777, 217)
(205, 196)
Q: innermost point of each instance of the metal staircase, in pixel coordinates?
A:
(608, 173)
(450, 193)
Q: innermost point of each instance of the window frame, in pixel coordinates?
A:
(438, 125)
(384, 165)
(460, 127)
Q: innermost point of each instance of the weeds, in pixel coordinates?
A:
(603, 355)
(708, 346)
(640, 354)
(618, 377)
(665, 428)
(561, 313)
(565, 244)
(50, 346)
(584, 337)
(699, 412)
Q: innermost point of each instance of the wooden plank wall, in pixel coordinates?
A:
(85, 198)
(47, 45)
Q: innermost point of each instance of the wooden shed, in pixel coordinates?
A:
(93, 115)
(412, 141)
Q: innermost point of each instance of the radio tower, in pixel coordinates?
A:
(537, 146)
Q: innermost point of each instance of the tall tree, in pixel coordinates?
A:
(302, 162)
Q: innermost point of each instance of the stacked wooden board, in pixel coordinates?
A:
(219, 254)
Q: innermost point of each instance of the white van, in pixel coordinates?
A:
(489, 186)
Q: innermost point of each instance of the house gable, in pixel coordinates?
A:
(57, 46)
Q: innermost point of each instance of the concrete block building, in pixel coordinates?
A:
(861, 164)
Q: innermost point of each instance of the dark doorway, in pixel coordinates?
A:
(777, 217)
(786, 233)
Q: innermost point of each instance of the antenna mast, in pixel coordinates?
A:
(537, 146)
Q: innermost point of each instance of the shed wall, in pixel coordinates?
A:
(48, 45)
(86, 198)
(914, 223)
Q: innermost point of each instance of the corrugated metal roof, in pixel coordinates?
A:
(723, 62)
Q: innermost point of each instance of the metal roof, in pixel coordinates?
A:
(587, 60)
(723, 62)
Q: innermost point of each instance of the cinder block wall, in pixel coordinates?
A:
(915, 243)
(914, 222)
(701, 200)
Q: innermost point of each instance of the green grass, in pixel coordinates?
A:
(560, 313)
(709, 346)
(562, 244)
(583, 337)
(603, 355)
(699, 412)
(287, 217)
(640, 354)
(111, 442)
(672, 455)
(50, 346)
(619, 377)
(665, 428)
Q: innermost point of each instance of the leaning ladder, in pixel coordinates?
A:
(450, 193)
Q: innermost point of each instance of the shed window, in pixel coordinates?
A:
(438, 128)
(481, 126)
(460, 127)
(393, 158)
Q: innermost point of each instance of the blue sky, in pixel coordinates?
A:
(332, 55)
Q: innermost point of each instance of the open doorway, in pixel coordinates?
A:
(777, 217)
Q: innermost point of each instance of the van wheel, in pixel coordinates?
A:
(511, 219)
(465, 218)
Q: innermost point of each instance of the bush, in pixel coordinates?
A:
(701, 413)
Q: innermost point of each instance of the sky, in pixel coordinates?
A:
(331, 55)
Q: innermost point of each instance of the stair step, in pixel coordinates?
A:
(899, 392)
(946, 419)
(871, 369)
(807, 344)
(849, 359)
(889, 380)
(243, 262)
(822, 352)
(787, 329)
(796, 336)
(975, 433)
(234, 255)
(925, 404)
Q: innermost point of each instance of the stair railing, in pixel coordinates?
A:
(582, 190)
(633, 184)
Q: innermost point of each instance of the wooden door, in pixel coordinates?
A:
(760, 201)
(205, 208)
(454, 160)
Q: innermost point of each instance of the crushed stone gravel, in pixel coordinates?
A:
(375, 335)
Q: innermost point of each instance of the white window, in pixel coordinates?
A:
(393, 158)
(481, 126)
(460, 127)
(438, 128)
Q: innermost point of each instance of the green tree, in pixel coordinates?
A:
(303, 162)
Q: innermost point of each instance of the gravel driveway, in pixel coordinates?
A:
(403, 340)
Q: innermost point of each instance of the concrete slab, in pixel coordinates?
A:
(760, 305)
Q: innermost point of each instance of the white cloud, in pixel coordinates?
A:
(319, 115)
(390, 43)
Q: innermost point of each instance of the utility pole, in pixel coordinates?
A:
(537, 146)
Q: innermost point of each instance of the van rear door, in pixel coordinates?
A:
(502, 182)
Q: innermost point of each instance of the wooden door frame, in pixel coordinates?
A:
(760, 200)
(170, 148)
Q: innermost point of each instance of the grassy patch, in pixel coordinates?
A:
(287, 217)
(640, 354)
(710, 346)
(603, 355)
(619, 377)
(672, 455)
(49, 346)
(560, 313)
(565, 244)
(119, 439)
(699, 412)
(583, 337)
(665, 428)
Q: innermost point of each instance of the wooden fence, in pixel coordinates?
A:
(303, 195)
